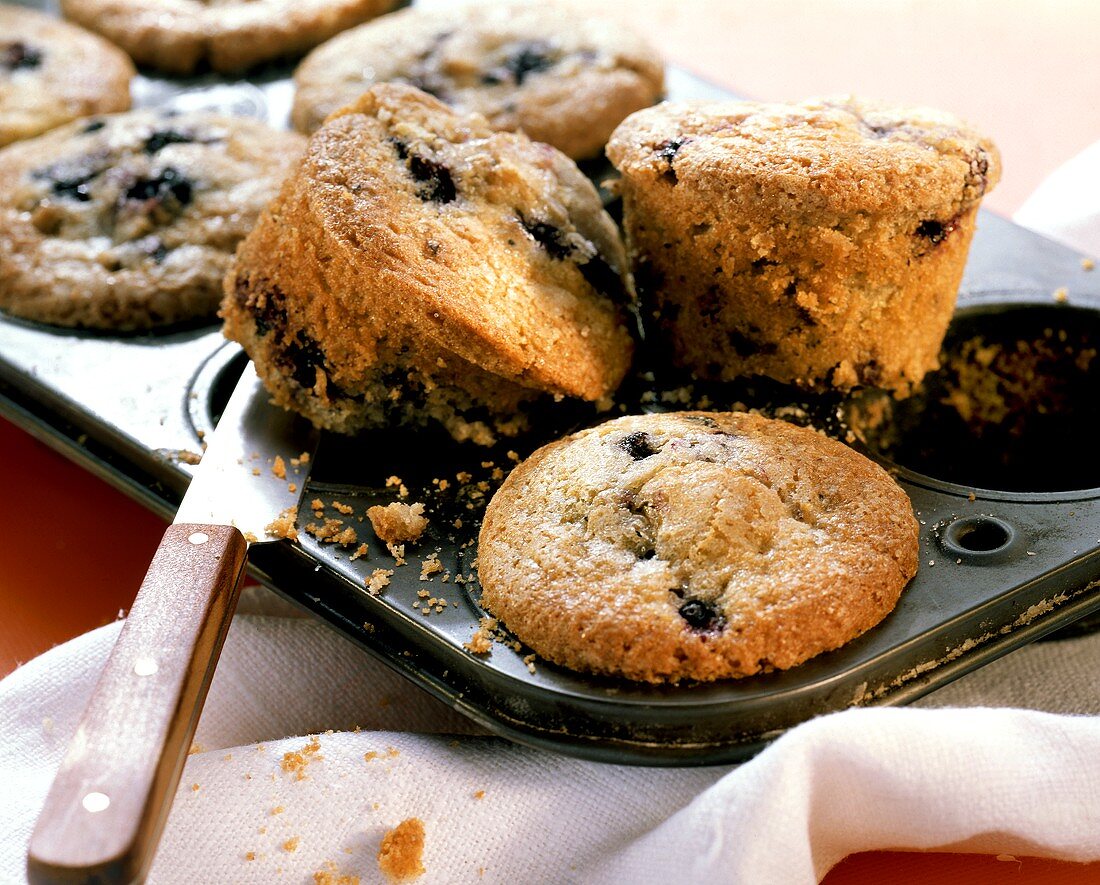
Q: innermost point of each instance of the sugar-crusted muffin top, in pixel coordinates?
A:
(52, 72)
(694, 546)
(111, 186)
(564, 78)
(858, 154)
(104, 217)
(498, 246)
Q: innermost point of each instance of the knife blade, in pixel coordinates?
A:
(108, 803)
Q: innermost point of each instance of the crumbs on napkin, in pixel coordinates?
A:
(401, 854)
(330, 875)
(295, 761)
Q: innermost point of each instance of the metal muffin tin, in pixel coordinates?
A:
(1009, 566)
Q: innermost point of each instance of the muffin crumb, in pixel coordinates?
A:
(481, 643)
(283, 526)
(430, 566)
(398, 522)
(378, 580)
(400, 856)
(330, 875)
(295, 761)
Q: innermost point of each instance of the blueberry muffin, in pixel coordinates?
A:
(52, 73)
(420, 267)
(819, 243)
(694, 546)
(129, 221)
(182, 36)
(560, 76)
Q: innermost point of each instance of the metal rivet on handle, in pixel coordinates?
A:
(198, 538)
(145, 666)
(94, 802)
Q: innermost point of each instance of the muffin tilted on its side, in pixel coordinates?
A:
(820, 243)
(129, 221)
(550, 70)
(52, 73)
(694, 546)
(421, 267)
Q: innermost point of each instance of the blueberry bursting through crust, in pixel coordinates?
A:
(701, 616)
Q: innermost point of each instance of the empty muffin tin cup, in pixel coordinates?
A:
(1009, 409)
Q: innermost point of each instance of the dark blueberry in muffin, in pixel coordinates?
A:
(638, 445)
(701, 616)
(168, 184)
(528, 59)
(164, 137)
(19, 56)
(551, 238)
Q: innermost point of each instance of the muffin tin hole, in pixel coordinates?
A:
(1005, 410)
(211, 387)
(978, 534)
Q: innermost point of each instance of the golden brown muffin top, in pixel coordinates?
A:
(694, 546)
(495, 247)
(854, 153)
(52, 72)
(550, 69)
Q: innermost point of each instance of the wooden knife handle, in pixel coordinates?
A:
(110, 799)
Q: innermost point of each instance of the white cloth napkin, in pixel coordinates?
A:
(963, 776)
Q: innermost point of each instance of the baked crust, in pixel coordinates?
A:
(694, 546)
(563, 77)
(52, 72)
(182, 36)
(820, 243)
(421, 267)
(129, 221)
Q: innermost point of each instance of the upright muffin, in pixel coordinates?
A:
(420, 267)
(182, 36)
(694, 546)
(820, 243)
(562, 77)
(52, 72)
(130, 221)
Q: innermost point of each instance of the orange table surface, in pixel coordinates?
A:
(73, 550)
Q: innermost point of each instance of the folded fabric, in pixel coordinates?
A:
(998, 781)
(1066, 207)
(308, 752)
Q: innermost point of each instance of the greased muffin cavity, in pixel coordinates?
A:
(52, 73)
(421, 267)
(182, 36)
(694, 546)
(561, 76)
(129, 221)
(819, 243)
